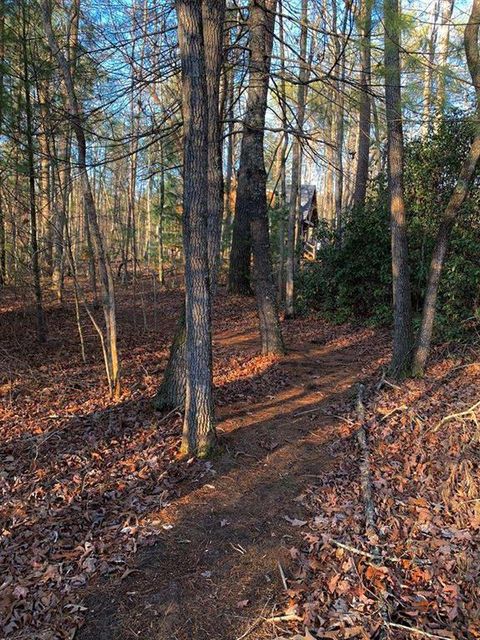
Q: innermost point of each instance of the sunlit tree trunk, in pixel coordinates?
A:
(402, 307)
(283, 152)
(172, 391)
(199, 228)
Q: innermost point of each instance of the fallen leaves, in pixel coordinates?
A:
(426, 494)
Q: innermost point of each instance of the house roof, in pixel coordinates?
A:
(308, 195)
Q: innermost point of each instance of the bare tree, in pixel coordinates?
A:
(104, 269)
(200, 204)
(41, 328)
(456, 201)
(172, 391)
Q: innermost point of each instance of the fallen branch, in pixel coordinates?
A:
(402, 407)
(366, 487)
(365, 479)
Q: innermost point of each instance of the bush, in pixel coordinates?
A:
(352, 280)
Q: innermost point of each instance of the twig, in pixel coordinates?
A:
(282, 575)
(454, 416)
(170, 413)
(420, 632)
(402, 407)
(372, 556)
(284, 618)
(383, 381)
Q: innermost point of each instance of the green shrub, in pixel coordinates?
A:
(351, 280)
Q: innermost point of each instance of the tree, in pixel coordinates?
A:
(446, 10)
(41, 328)
(3, 249)
(296, 186)
(363, 149)
(402, 306)
(172, 391)
(103, 263)
(251, 202)
(200, 206)
(456, 201)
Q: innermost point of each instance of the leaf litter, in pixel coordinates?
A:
(83, 482)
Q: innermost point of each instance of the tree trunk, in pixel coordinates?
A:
(251, 200)
(239, 273)
(339, 118)
(230, 129)
(64, 171)
(363, 150)
(428, 75)
(213, 17)
(3, 250)
(296, 186)
(105, 273)
(282, 181)
(455, 203)
(41, 329)
(402, 306)
(199, 428)
(172, 391)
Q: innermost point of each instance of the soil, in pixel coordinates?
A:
(216, 571)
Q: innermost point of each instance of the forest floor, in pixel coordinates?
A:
(105, 534)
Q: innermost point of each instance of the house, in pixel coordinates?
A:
(308, 220)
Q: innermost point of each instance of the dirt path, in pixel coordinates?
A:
(214, 571)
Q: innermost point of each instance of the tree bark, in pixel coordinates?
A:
(3, 249)
(199, 427)
(402, 306)
(455, 203)
(172, 391)
(251, 200)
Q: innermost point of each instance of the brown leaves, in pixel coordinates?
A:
(426, 492)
